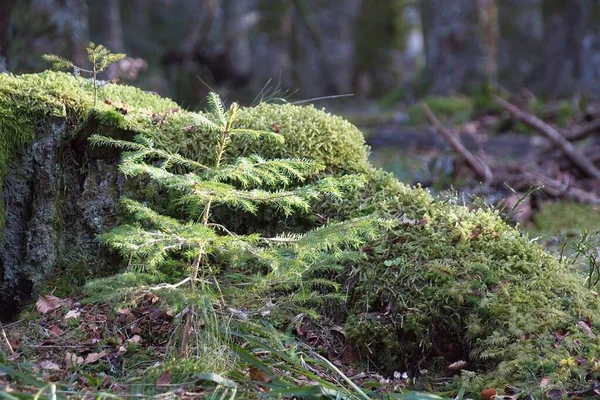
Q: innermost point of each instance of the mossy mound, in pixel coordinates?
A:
(447, 284)
(450, 284)
(51, 180)
(25, 100)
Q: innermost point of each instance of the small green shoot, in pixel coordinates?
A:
(100, 58)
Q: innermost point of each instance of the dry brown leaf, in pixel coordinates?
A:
(488, 394)
(259, 375)
(93, 357)
(56, 330)
(586, 328)
(134, 339)
(544, 382)
(73, 359)
(73, 314)
(47, 302)
(46, 364)
(457, 366)
(163, 380)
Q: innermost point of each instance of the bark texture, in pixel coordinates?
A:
(57, 197)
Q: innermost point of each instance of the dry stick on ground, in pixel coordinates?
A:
(478, 166)
(558, 189)
(576, 157)
(10, 349)
(577, 133)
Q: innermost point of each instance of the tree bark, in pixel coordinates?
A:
(115, 28)
(5, 15)
(452, 48)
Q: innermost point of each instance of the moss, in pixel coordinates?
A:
(566, 216)
(26, 101)
(457, 109)
(449, 283)
(308, 133)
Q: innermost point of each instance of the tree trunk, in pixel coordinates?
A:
(5, 14)
(452, 48)
(115, 29)
(488, 25)
(65, 33)
(55, 204)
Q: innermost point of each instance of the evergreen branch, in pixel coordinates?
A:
(206, 124)
(256, 134)
(143, 149)
(254, 170)
(58, 62)
(216, 108)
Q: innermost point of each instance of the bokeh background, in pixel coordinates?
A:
(370, 48)
(371, 60)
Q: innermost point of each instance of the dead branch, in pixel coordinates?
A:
(583, 131)
(556, 188)
(575, 156)
(578, 133)
(478, 166)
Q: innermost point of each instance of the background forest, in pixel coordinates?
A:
(227, 229)
(315, 47)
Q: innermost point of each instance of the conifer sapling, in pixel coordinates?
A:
(288, 264)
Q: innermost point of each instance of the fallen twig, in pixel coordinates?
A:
(575, 156)
(478, 166)
(10, 348)
(556, 188)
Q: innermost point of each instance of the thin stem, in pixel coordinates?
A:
(94, 78)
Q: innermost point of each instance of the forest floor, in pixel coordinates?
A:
(73, 345)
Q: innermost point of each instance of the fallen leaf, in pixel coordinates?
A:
(586, 328)
(73, 359)
(93, 357)
(134, 339)
(544, 382)
(259, 375)
(163, 380)
(47, 302)
(73, 314)
(46, 364)
(555, 394)
(457, 366)
(56, 330)
(488, 394)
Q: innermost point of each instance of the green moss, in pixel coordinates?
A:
(456, 109)
(449, 283)
(30, 101)
(566, 216)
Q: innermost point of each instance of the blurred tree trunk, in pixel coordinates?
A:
(114, 26)
(380, 36)
(521, 38)
(47, 26)
(452, 48)
(564, 25)
(5, 14)
(238, 19)
(488, 25)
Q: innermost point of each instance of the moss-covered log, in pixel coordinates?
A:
(58, 193)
